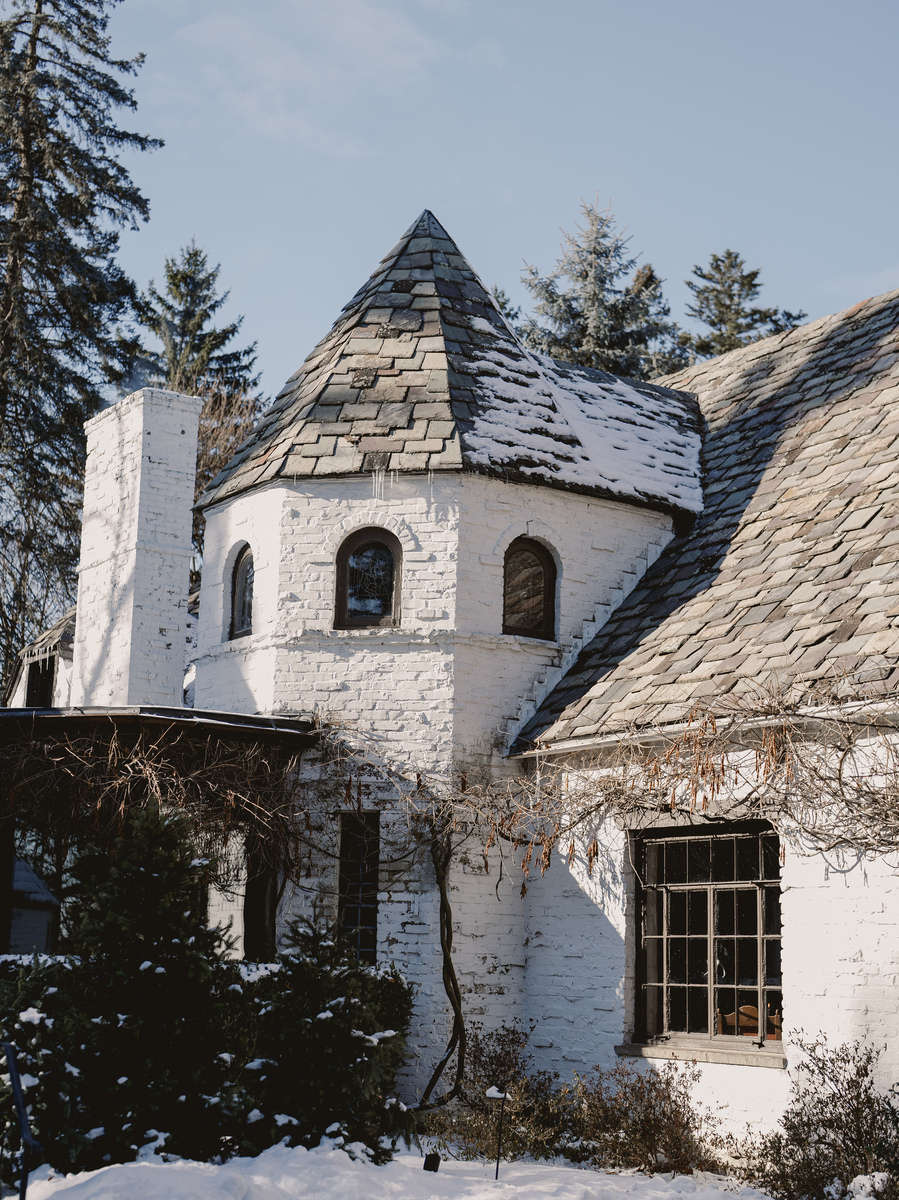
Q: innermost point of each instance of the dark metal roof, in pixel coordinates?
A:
(792, 570)
(59, 722)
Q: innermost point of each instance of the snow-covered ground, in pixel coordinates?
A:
(329, 1174)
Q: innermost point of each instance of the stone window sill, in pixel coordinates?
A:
(695, 1051)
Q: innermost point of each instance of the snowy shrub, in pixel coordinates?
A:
(146, 1034)
(839, 1136)
(133, 1023)
(625, 1118)
(326, 1039)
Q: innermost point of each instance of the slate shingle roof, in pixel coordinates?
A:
(421, 373)
(59, 637)
(792, 570)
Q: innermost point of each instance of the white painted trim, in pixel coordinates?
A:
(759, 1057)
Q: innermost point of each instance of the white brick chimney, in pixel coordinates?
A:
(135, 551)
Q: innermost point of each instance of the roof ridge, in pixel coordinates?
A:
(764, 346)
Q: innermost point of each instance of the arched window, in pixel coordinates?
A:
(529, 590)
(368, 580)
(242, 595)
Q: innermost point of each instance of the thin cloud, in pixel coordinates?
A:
(290, 70)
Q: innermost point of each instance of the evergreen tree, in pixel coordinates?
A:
(510, 311)
(672, 349)
(144, 1032)
(152, 1022)
(63, 196)
(144, 899)
(193, 357)
(192, 350)
(593, 314)
(723, 293)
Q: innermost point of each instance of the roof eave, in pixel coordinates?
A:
(877, 715)
(681, 512)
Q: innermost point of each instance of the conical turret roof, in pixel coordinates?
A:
(420, 372)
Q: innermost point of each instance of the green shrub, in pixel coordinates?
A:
(837, 1126)
(106, 1063)
(127, 1034)
(325, 1037)
(147, 1030)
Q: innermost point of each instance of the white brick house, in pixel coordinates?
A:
(479, 556)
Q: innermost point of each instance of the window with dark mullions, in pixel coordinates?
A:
(709, 941)
(242, 595)
(529, 590)
(368, 580)
(357, 895)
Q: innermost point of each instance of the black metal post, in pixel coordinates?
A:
(499, 1139)
(31, 1147)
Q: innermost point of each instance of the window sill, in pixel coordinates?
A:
(370, 626)
(686, 1051)
(531, 637)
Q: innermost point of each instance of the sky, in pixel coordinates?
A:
(304, 136)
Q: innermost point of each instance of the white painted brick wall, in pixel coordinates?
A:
(841, 950)
(454, 531)
(442, 692)
(135, 551)
(841, 969)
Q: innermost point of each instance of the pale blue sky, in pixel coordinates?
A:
(303, 137)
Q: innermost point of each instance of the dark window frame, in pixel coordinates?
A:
(241, 622)
(358, 881)
(547, 629)
(369, 536)
(663, 983)
(260, 902)
(40, 680)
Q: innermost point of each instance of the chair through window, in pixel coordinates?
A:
(709, 938)
(242, 595)
(368, 580)
(529, 590)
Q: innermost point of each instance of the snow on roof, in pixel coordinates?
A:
(29, 888)
(422, 373)
(584, 428)
(791, 573)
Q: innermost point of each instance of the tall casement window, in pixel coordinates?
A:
(242, 595)
(709, 945)
(357, 903)
(368, 580)
(529, 590)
